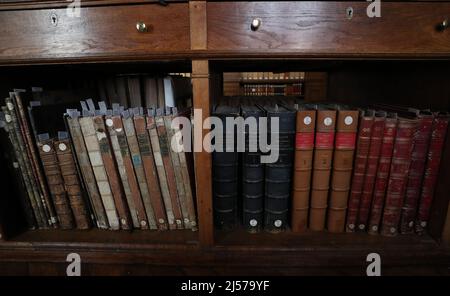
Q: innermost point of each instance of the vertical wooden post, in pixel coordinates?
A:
(201, 100)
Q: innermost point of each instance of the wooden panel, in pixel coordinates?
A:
(98, 32)
(322, 29)
(197, 16)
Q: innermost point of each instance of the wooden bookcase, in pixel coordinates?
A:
(361, 59)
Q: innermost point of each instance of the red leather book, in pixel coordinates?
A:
(398, 176)
(384, 165)
(439, 130)
(359, 167)
(376, 140)
(416, 171)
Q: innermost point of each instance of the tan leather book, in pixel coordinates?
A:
(150, 171)
(112, 173)
(136, 199)
(344, 149)
(135, 154)
(86, 170)
(323, 156)
(122, 171)
(55, 182)
(72, 185)
(164, 144)
(95, 157)
(151, 126)
(304, 149)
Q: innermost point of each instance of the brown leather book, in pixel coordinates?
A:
(398, 176)
(304, 148)
(55, 182)
(376, 140)
(112, 173)
(150, 171)
(72, 183)
(323, 156)
(135, 193)
(346, 129)
(164, 143)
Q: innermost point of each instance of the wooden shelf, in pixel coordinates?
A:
(271, 81)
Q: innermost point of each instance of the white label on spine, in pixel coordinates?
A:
(178, 221)
(161, 221)
(62, 146)
(119, 130)
(46, 148)
(393, 229)
(8, 118)
(423, 223)
(351, 226)
(348, 120)
(411, 223)
(16, 165)
(143, 223)
(277, 223)
(374, 228)
(10, 106)
(253, 222)
(109, 122)
(101, 135)
(186, 220)
(123, 221)
(362, 226)
(327, 121)
(307, 120)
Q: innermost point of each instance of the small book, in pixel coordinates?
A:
(360, 163)
(323, 156)
(398, 176)
(150, 92)
(382, 176)
(345, 140)
(304, 149)
(134, 91)
(439, 131)
(376, 139)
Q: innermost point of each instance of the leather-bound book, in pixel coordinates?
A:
(439, 131)
(252, 174)
(345, 142)
(112, 172)
(72, 185)
(359, 168)
(225, 174)
(164, 146)
(398, 176)
(323, 156)
(154, 139)
(135, 154)
(55, 181)
(416, 171)
(304, 149)
(95, 157)
(135, 201)
(148, 162)
(382, 176)
(121, 168)
(376, 140)
(278, 175)
(86, 169)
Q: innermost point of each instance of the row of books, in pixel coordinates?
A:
(353, 169)
(292, 89)
(272, 76)
(112, 168)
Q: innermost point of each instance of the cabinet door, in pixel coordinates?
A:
(329, 28)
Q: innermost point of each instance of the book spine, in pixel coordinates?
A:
(346, 130)
(95, 157)
(439, 131)
(139, 169)
(49, 211)
(56, 184)
(398, 176)
(416, 173)
(382, 176)
(33, 188)
(164, 146)
(323, 156)
(135, 202)
(122, 171)
(112, 174)
(150, 172)
(87, 173)
(72, 183)
(154, 139)
(371, 171)
(182, 199)
(362, 152)
(304, 148)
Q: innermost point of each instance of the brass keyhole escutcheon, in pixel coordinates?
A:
(349, 13)
(54, 19)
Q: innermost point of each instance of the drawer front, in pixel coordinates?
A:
(324, 28)
(97, 32)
